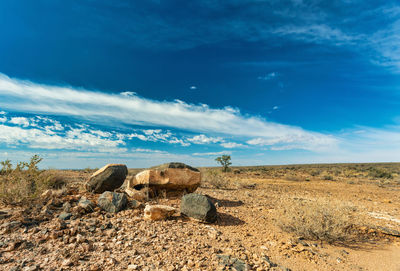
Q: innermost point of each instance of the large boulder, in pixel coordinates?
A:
(198, 207)
(168, 177)
(112, 202)
(108, 178)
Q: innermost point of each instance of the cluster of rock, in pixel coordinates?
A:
(167, 179)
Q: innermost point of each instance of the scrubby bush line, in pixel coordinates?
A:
(25, 182)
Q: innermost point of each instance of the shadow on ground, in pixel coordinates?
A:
(225, 202)
(225, 219)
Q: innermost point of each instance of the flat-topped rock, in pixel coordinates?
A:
(170, 177)
(108, 178)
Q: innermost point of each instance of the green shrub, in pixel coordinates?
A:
(25, 182)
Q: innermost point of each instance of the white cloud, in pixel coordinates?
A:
(156, 135)
(90, 105)
(2, 113)
(317, 33)
(193, 87)
(175, 140)
(212, 153)
(269, 76)
(231, 145)
(73, 139)
(203, 139)
(295, 141)
(3, 119)
(275, 107)
(20, 121)
(148, 150)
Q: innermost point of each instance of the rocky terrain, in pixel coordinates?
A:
(70, 229)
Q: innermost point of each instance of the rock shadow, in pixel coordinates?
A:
(224, 219)
(225, 202)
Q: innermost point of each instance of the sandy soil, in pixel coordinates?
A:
(246, 229)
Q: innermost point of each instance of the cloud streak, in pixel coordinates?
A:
(29, 97)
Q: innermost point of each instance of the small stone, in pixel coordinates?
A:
(65, 216)
(66, 262)
(46, 194)
(133, 267)
(158, 212)
(67, 207)
(86, 204)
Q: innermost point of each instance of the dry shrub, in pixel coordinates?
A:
(214, 178)
(317, 220)
(25, 182)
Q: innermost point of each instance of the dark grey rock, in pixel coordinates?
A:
(86, 204)
(235, 263)
(198, 207)
(108, 178)
(65, 216)
(112, 202)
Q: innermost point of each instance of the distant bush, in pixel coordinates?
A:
(316, 220)
(327, 178)
(26, 182)
(379, 173)
(215, 179)
(315, 173)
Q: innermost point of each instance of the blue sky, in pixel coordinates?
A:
(84, 83)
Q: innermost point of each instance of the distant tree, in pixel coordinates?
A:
(225, 161)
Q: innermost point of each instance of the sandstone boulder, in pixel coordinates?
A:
(167, 177)
(158, 212)
(107, 178)
(139, 195)
(198, 207)
(112, 202)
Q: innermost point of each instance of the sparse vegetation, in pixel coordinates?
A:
(316, 220)
(225, 161)
(26, 182)
(215, 179)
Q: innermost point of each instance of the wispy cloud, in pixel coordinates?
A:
(203, 139)
(231, 145)
(211, 153)
(156, 135)
(93, 106)
(269, 76)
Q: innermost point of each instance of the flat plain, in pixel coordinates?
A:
(294, 217)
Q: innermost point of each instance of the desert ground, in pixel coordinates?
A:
(296, 217)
